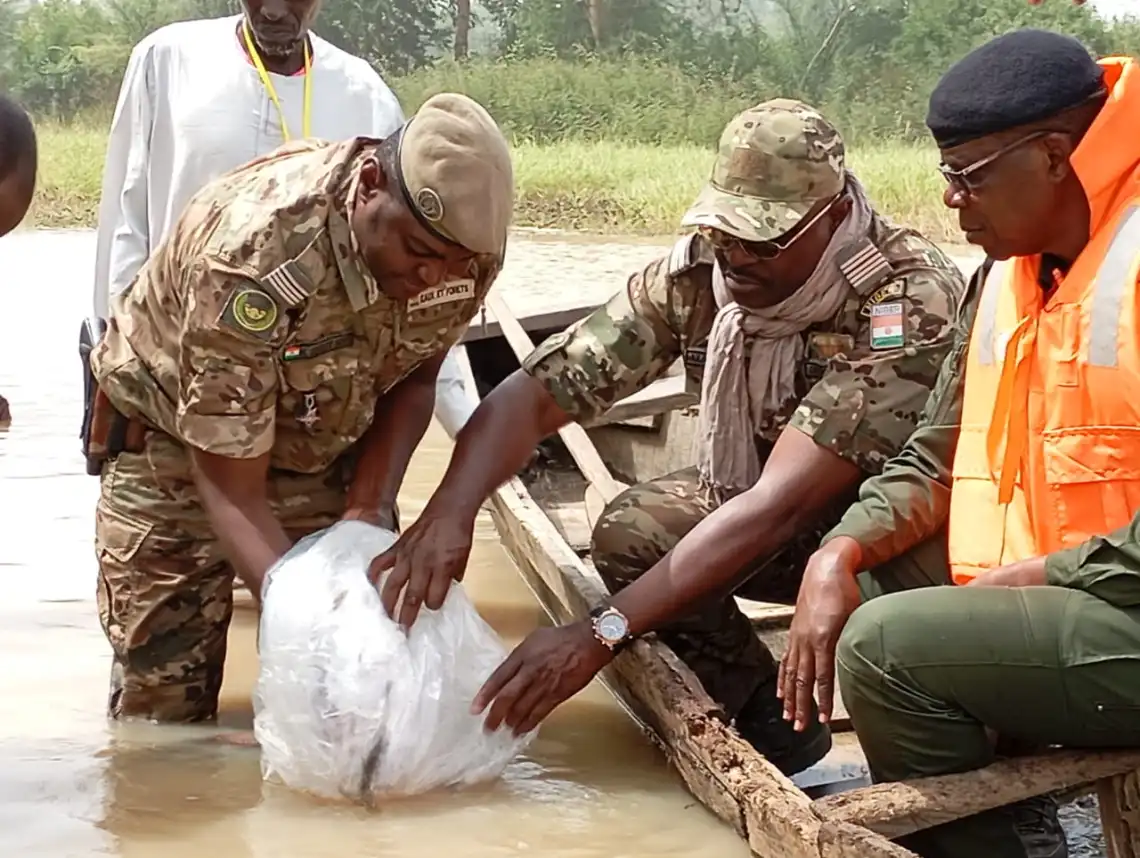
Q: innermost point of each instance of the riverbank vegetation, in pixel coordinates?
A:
(613, 106)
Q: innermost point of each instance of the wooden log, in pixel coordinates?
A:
(843, 840)
(781, 822)
(581, 448)
(1119, 799)
(897, 809)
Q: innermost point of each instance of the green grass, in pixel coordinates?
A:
(614, 188)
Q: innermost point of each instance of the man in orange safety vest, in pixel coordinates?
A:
(1022, 482)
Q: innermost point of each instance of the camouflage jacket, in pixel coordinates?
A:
(256, 327)
(861, 386)
(909, 501)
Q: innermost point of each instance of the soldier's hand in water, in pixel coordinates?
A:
(544, 671)
(827, 597)
(426, 558)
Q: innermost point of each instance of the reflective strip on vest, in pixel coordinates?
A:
(1113, 277)
(987, 312)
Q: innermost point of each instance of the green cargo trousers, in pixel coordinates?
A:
(924, 673)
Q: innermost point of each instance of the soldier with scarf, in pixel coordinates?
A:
(813, 329)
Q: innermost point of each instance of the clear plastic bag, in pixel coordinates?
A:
(347, 705)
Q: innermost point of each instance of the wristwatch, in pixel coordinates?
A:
(611, 628)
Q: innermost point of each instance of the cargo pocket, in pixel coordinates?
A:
(118, 541)
(1093, 480)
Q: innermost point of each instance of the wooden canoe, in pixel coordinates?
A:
(829, 811)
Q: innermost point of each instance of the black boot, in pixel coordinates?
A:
(761, 723)
(1039, 827)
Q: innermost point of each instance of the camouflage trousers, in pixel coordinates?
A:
(165, 590)
(643, 524)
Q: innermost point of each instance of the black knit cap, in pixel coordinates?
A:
(1015, 79)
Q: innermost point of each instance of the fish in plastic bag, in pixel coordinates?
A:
(348, 705)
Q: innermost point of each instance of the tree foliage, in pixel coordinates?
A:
(870, 63)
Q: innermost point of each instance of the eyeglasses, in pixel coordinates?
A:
(962, 178)
(765, 250)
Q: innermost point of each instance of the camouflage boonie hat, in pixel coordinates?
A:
(776, 160)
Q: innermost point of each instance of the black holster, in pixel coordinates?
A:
(104, 431)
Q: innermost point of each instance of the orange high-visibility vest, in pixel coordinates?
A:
(1049, 453)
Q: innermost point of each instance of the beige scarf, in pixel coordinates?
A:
(750, 368)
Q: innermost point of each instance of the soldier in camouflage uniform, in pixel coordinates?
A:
(277, 356)
(813, 329)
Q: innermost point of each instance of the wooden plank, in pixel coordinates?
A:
(570, 519)
(663, 395)
(1119, 799)
(843, 840)
(531, 322)
(766, 613)
(897, 809)
(578, 443)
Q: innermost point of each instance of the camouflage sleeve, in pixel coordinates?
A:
(621, 347)
(227, 393)
(909, 501)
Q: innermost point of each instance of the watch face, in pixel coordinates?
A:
(612, 627)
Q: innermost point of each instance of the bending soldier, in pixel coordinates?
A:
(277, 358)
(1021, 482)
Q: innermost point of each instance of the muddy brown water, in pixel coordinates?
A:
(72, 786)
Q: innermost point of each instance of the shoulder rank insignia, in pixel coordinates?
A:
(886, 292)
(864, 266)
(252, 311)
(289, 283)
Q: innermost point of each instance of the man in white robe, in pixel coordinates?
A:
(200, 98)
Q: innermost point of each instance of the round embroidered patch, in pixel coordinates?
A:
(429, 204)
(255, 311)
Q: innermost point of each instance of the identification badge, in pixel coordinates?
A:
(887, 326)
(454, 290)
(695, 357)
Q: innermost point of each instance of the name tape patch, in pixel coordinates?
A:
(886, 292)
(302, 351)
(454, 290)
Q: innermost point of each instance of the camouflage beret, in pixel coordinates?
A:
(456, 172)
(775, 162)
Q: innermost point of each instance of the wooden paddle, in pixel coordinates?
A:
(602, 487)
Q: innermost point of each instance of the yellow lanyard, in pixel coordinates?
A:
(253, 54)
